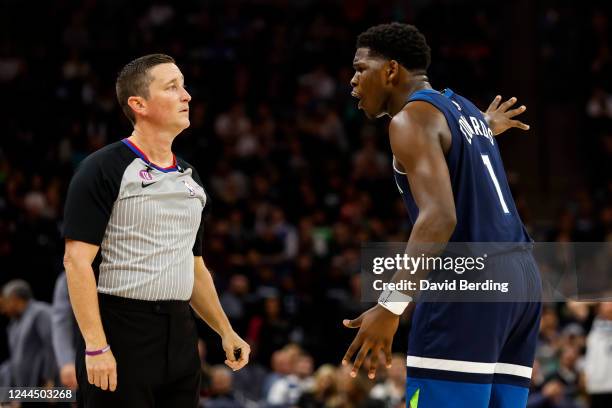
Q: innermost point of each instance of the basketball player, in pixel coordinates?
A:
(449, 171)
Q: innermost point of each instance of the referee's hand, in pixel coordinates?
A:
(237, 351)
(102, 370)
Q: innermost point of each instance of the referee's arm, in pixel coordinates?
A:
(205, 302)
(78, 257)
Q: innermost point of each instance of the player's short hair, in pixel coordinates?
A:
(134, 80)
(401, 42)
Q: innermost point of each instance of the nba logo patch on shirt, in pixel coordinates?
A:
(190, 188)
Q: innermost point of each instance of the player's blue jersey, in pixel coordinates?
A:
(484, 205)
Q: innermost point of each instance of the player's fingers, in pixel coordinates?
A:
(506, 105)
(374, 361)
(388, 356)
(519, 124)
(363, 353)
(353, 324)
(512, 113)
(351, 350)
(494, 103)
(112, 380)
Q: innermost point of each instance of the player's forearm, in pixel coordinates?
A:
(429, 236)
(433, 226)
(84, 300)
(205, 302)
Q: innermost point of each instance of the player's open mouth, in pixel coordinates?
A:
(356, 95)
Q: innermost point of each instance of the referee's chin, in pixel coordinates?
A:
(184, 124)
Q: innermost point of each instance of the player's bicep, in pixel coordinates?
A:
(417, 147)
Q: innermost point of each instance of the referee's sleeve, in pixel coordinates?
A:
(91, 195)
(197, 245)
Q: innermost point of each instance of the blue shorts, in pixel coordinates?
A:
(476, 354)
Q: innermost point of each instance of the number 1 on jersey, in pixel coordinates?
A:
(487, 163)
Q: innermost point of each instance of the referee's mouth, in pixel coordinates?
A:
(184, 110)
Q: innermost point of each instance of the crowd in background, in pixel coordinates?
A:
(297, 177)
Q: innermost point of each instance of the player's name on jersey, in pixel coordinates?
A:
(474, 127)
(447, 286)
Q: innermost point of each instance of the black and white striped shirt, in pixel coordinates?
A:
(146, 219)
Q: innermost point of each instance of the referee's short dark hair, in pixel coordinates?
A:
(18, 288)
(134, 80)
(403, 43)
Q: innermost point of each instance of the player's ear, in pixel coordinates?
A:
(392, 71)
(138, 104)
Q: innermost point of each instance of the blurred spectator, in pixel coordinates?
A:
(205, 370)
(353, 392)
(31, 362)
(64, 333)
(392, 391)
(552, 395)
(270, 331)
(234, 298)
(221, 390)
(280, 365)
(287, 390)
(323, 389)
(598, 363)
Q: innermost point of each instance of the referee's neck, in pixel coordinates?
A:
(157, 146)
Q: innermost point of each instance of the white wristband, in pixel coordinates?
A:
(394, 301)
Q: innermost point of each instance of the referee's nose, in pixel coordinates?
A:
(185, 97)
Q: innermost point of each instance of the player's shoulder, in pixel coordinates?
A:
(417, 116)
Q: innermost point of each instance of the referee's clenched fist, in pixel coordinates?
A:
(102, 370)
(141, 208)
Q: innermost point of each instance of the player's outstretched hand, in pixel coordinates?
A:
(237, 351)
(499, 117)
(377, 326)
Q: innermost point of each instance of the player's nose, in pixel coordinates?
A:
(354, 80)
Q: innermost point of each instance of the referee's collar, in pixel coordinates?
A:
(144, 157)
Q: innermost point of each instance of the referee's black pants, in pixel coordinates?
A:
(155, 346)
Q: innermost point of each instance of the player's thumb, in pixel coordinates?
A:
(352, 324)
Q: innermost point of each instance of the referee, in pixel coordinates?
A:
(133, 229)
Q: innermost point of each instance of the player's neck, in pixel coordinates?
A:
(398, 99)
(156, 145)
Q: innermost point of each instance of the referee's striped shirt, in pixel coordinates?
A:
(146, 219)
